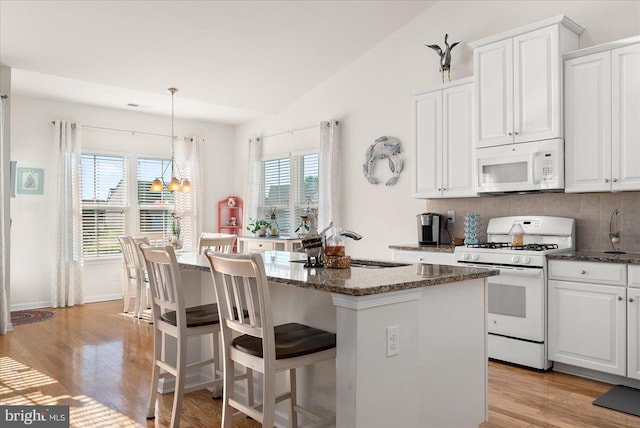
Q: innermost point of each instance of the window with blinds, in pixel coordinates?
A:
(289, 187)
(154, 208)
(104, 204)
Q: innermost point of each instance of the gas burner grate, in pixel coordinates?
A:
(508, 246)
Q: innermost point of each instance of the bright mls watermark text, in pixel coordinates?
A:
(34, 416)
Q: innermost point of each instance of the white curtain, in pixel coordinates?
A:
(252, 185)
(188, 205)
(4, 283)
(66, 277)
(329, 174)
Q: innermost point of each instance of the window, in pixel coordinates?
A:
(289, 188)
(104, 204)
(154, 208)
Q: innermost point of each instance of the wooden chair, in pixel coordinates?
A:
(171, 317)
(131, 274)
(144, 276)
(218, 242)
(241, 279)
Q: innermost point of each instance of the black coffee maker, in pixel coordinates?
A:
(428, 229)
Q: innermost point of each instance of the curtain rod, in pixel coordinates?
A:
(291, 131)
(128, 131)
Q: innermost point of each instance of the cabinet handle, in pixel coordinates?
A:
(606, 180)
(421, 258)
(439, 189)
(509, 134)
(614, 180)
(516, 132)
(619, 298)
(630, 299)
(583, 272)
(444, 189)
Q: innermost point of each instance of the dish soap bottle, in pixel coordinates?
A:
(517, 235)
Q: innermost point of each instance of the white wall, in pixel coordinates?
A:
(5, 256)
(371, 96)
(31, 136)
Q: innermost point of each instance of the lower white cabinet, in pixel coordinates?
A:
(432, 257)
(633, 323)
(587, 325)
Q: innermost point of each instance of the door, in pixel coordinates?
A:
(625, 111)
(536, 85)
(587, 326)
(427, 139)
(516, 303)
(493, 68)
(633, 332)
(588, 123)
(457, 140)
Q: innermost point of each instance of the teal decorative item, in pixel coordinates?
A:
(30, 181)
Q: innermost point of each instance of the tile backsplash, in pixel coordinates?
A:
(592, 212)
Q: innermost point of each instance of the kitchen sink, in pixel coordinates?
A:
(367, 264)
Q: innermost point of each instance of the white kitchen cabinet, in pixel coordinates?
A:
(430, 257)
(444, 163)
(518, 91)
(633, 323)
(587, 325)
(602, 107)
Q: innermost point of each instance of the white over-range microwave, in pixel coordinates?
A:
(521, 167)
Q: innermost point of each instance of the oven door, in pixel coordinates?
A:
(516, 303)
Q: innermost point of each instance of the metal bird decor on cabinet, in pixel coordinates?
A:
(445, 56)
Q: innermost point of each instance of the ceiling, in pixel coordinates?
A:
(232, 61)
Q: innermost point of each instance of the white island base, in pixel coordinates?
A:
(439, 376)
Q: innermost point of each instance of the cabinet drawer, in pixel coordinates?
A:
(634, 276)
(432, 257)
(590, 272)
(257, 246)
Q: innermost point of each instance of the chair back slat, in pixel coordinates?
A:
(137, 240)
(165, 282)
(241, 284)
(129, 255)
(218, 242)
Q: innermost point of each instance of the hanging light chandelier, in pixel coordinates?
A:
(175, 185)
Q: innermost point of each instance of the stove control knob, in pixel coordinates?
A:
(475, 257)
(465, 256)
(526, 260)
(515, 259)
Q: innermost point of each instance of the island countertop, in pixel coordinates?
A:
(354, 281)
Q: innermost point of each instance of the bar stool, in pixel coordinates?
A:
(261, 346)
(171, 317)
(131, 274)
(218, 242)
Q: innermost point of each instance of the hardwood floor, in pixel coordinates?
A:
(98, 361)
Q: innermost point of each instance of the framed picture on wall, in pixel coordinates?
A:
(30, 180)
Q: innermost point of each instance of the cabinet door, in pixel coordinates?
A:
(588, 123)
(427, 140)
(493, 69)
(432, 257)
(457, 141)
(587, 326)
(536, 85)
(633, 332)
(625, 114)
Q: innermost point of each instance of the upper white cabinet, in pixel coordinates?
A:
(602, 107)
(442, 126)
(518, 74)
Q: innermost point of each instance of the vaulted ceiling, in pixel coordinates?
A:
(232, 61)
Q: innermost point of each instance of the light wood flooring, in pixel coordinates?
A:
(98, 361)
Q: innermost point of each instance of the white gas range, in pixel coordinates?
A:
(517, 297)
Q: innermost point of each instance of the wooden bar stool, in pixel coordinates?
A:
(171, 317)
(131, 275)
(240, 280)
(218, 242)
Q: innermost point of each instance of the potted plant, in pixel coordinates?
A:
(175, 240)
(259, 227)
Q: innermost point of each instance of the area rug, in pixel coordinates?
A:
(621, 398)
(29, 317)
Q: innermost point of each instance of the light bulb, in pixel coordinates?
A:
(174, 186)
(186, 186)
(156, 186)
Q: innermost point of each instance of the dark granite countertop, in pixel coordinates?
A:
(354, 281)
(597, 256)
(443, 248)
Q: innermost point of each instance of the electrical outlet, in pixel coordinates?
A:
(452, 216)
(393, 340)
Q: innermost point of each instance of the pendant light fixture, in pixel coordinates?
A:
(175, 185)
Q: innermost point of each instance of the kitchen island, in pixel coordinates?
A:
(434, 375)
